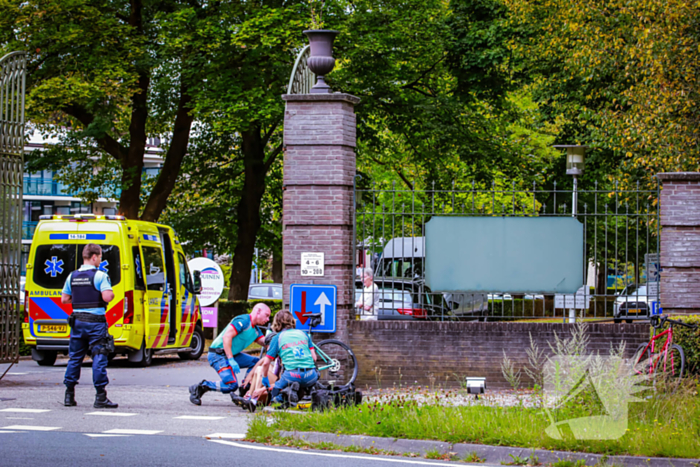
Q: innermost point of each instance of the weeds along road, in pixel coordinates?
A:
(155, 424)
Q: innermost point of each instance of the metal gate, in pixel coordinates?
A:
(12, 87)
(620, 229)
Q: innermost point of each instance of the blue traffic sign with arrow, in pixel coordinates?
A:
(307, 299)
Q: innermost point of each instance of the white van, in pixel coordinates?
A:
(402, 257)
(405, 257)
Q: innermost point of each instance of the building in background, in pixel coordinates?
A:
(44, 195)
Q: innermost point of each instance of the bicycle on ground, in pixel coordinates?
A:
(336, 363)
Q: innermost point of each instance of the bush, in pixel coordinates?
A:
(230, 309)
(24, 349)
(690, 341)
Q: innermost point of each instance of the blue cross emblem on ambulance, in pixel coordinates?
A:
(54, 266)
(103, 266)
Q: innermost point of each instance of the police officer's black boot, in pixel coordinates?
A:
(69, 400)
(101, 401)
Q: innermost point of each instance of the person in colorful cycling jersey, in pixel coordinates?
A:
(298, 356)
(226, 352)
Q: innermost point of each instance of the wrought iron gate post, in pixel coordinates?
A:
(12, 87)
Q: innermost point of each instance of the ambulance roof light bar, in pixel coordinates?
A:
(80, 217)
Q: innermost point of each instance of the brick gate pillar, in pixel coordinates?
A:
(319, 169)
(680, 242)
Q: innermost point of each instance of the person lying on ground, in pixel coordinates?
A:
(257, 393)
(253, 381)
(226, 352)
(298, 356)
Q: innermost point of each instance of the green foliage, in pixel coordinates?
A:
(24, 349)
(624, 74)
(666, 426)
(689, 339)
(230, 309)
(569, 463)
(473, 457)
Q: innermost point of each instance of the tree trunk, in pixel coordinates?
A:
(602, 280)
(248, 212)
(130, 199)
(173, 159)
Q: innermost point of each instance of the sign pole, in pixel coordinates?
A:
(216, 326)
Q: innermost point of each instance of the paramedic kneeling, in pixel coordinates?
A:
(226, 352)
(298, 357)
(89, 291)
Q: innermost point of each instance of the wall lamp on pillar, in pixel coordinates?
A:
(575, 163)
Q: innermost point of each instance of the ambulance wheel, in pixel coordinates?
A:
(146, 356)
(197, 346)
(44, 357)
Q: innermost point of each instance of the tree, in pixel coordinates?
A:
(116, 72)
(625, 73)
(105, 70)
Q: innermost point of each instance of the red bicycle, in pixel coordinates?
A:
(662, 359)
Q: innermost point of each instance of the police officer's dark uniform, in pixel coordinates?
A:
(88, 332)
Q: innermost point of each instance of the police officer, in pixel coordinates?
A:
(89, 290)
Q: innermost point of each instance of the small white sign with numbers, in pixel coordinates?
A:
(312, 264)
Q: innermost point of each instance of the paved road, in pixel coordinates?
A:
(154, 425)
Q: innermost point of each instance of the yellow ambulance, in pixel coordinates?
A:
(155, 308)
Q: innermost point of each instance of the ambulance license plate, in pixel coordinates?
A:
(57, 328)
(634, 311)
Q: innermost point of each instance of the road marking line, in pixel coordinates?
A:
(226, 435)
(30, 428)
(119, 431)
(25, 410)
(102, 435)
(197, 417)
(112, 414)
(10, 431)
(17, 374)
(323, 454)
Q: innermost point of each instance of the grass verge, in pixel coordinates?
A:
(662, 426)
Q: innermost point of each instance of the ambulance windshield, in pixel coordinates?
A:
(54, 262)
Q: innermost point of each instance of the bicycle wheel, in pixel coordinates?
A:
(644, 360)
(671, 365)
(336, 363)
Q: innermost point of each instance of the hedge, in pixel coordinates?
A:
(690, 341)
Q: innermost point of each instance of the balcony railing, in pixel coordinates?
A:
(28, 228)
(43, 187)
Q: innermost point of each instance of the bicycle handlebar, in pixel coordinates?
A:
(659, 322)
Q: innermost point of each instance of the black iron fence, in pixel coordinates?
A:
(12, 73)
(620, 252)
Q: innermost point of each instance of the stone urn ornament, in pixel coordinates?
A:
(320, 61)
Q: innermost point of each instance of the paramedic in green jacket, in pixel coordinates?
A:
(226, 352)
(298, 356)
